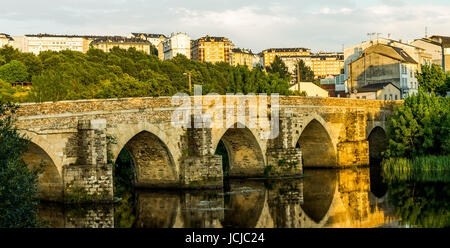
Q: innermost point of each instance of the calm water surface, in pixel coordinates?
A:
(323, 198)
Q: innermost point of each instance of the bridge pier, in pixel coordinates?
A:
(91, 177)
(200, 168)
(354, 149)
(284, 159)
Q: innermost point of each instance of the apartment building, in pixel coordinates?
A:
(36, 43)
(155, 39)
(382, 64)
(212, 49)
(5, 40)
(353, 53)
(107, 43)
(179, 43)
(244, 57)
(322, 64)
(444, 41)
(270, 54)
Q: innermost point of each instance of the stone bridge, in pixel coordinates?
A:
(78, 141)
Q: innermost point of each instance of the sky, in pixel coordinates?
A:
(321, 25)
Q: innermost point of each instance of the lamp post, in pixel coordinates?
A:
(190, 85)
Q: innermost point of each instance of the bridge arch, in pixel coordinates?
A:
(377, 143)
(153, 161)
(50, 183)
(245, 155)
(315, 142)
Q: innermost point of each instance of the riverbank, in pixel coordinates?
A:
(426, 168)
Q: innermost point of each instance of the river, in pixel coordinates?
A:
(358, 197)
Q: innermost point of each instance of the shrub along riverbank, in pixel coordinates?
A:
(419, 139)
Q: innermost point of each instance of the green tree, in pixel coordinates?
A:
(306, 73)
(420, 126)
(6, 92)
(18, 184)
(279, 67)
(14, 71)
(431, 78)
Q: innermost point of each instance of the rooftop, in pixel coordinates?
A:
(241, 50)
(213, 39)
(297, 49)
(389, 51)
(6, 36)
(120, 39)
(374, 87)
(148, 35)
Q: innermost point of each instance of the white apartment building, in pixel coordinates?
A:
(46, 42)
(179, 43)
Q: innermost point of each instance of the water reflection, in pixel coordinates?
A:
(324, 198)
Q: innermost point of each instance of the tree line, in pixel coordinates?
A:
(71, 75)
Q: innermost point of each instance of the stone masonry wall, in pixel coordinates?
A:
(91, 178)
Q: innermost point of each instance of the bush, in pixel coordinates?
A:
(420, 126)
(18, 184)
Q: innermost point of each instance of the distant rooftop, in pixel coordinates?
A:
(241, 50)
(374, 87)
(148, 35)
(281, 50)
(213, 39)
(120, 39)
(65, 35)
(390, 51)
(6, 36)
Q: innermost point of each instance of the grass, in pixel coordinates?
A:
(427, 168)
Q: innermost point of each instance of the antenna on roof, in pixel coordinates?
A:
(426, 32)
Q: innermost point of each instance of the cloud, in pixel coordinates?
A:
(318, 24)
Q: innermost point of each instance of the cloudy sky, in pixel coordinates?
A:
(322, 25)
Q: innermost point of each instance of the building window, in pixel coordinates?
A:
(390, 96)
(396, 97)
(385, 97)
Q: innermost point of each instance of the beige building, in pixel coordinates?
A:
(270, 54)
(156, 40)
(179, 43)
(107, 43)
(433, 48)
(311, 89)
(354, 52)
(381, 64)
(244, 57)
(212, 49)
(6, 40)
(444, 41)
(380, 91)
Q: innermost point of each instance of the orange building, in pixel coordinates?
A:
(212, 49)
(270, 54)
(322, 64)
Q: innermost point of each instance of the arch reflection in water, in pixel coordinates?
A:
(244, 203)
(324, 198)
(319, 188)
